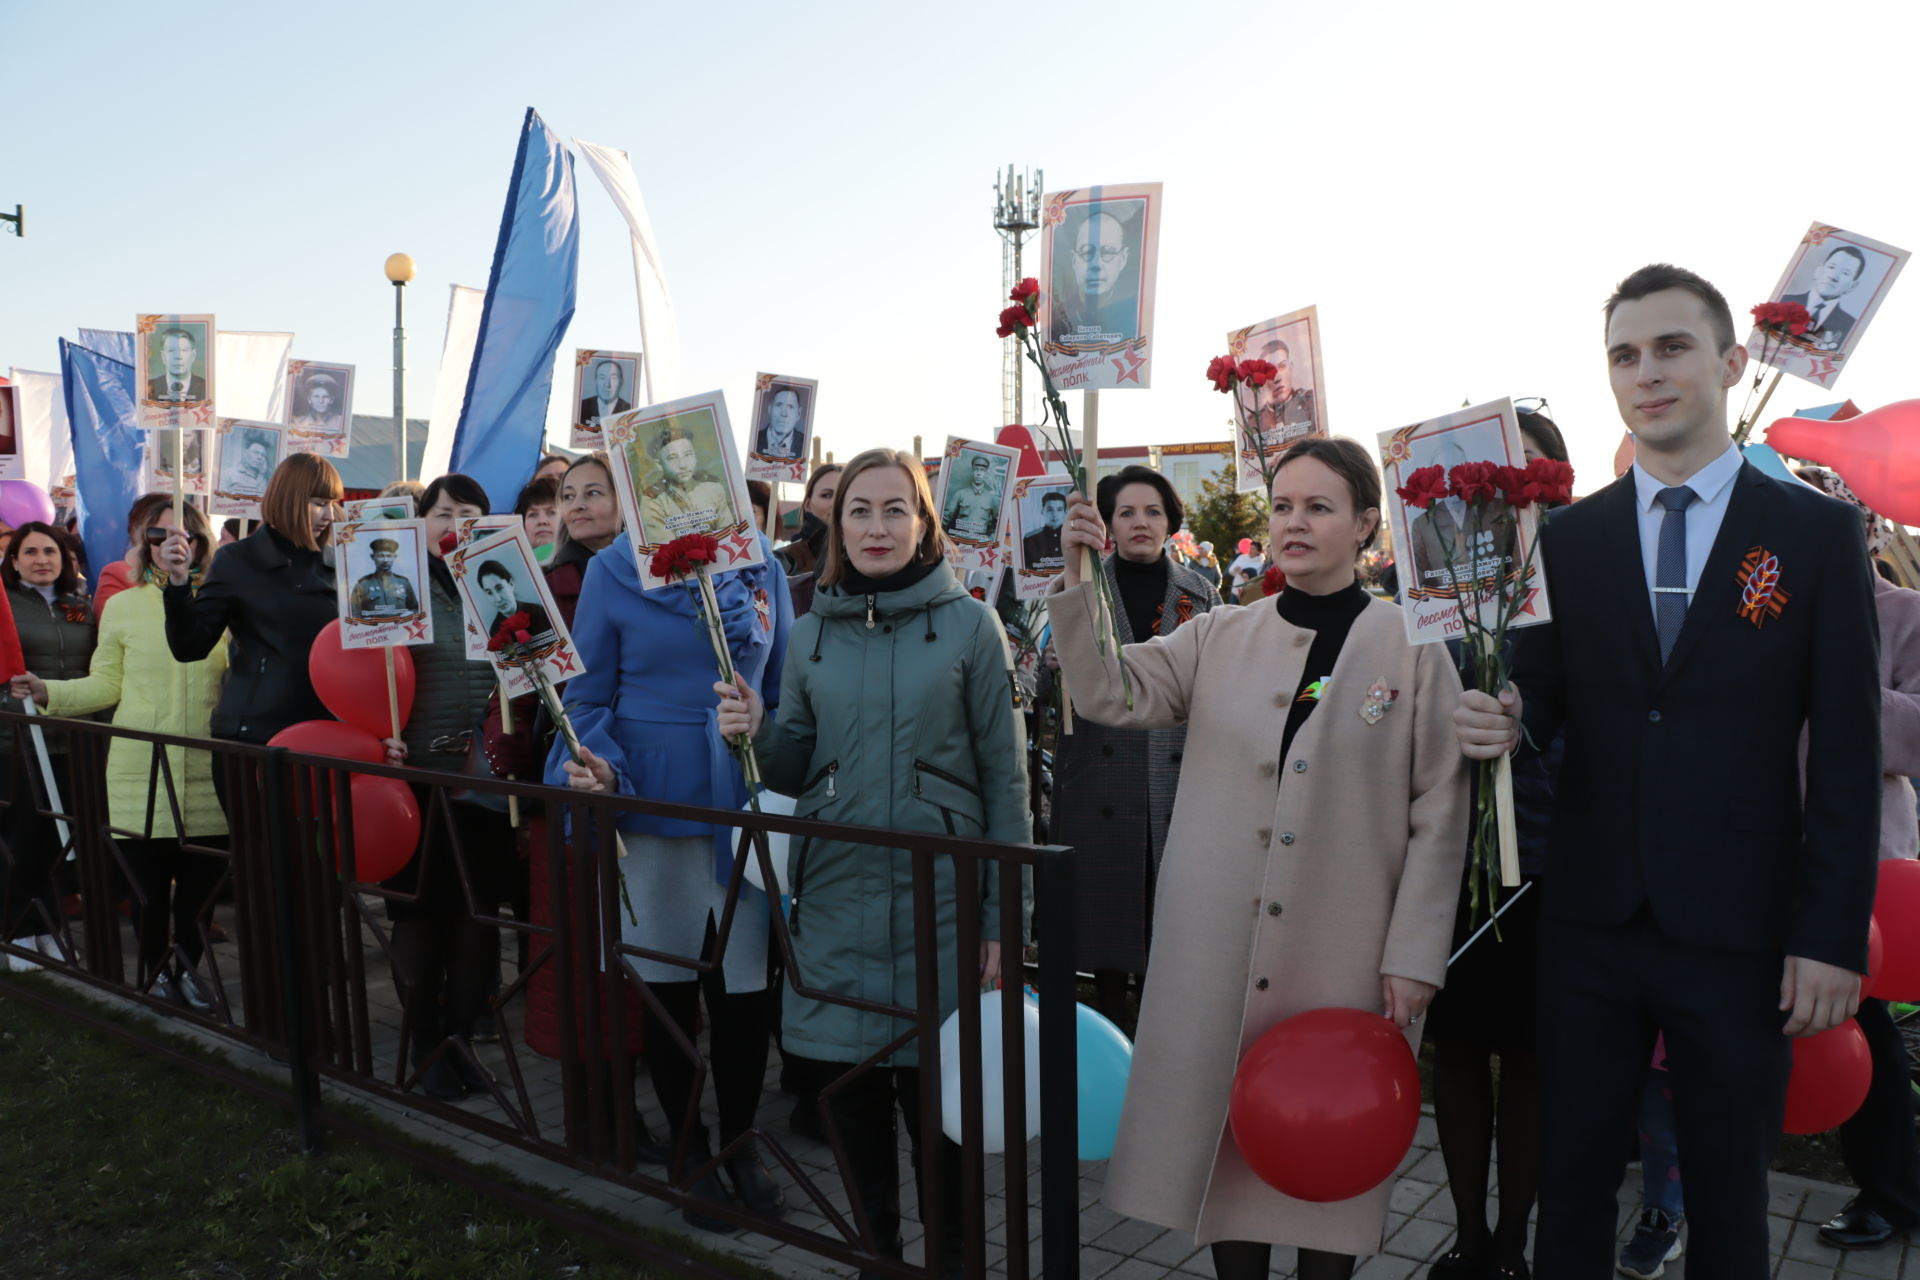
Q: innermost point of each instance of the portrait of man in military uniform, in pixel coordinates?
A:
(1040, 549)
(1283, 409)
(383, 595)
(681, 495)
(972, 509)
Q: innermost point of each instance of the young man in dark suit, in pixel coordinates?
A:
(1704, 616)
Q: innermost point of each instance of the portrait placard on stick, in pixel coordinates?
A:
(1098, 250)
(245, 454)
(1039, 515)
(500, 582)
(1453, 548)
(468, 531)
(975, 476)
(319, 407)
(1841, 278)
(782, 428)
(11, 467)
(676, 471)
(382, 579)
(603, 388)
(1292, 405)
(156, 461)
(173, 369)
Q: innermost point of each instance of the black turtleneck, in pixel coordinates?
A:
(855, 583)
(1143, 590)
(1329, 617)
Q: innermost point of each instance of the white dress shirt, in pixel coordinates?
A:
(1712, 487)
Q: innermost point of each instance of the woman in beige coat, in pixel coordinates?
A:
(1313, 860)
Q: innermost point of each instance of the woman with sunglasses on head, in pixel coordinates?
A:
(1312, 862)
(643, 713)
(134, 671)
(897, 709)
(55, 625)
(1487, 1012)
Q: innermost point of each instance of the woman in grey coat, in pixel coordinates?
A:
(1114, 788)
(897, 709)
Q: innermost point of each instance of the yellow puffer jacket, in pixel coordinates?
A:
(133, 667)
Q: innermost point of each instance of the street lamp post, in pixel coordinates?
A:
(400, 270)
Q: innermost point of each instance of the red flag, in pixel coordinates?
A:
(1022, 439)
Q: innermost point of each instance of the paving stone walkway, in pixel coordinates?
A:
(1420, 1224)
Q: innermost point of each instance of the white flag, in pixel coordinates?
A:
(46, 441)
(450, 387)
(659, 330)
(253, 375)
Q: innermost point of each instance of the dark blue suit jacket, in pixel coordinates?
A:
(1681, 785)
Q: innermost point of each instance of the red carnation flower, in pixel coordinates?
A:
(1222, 372)
(523, 635)
(1258, 372)
(1273, 582)
(448, 541)
(1472, 482)
(681, 556)
(1012, 320)
(1515, 487)
(1025, 290)
(1782, 317)
(1423, 487)
(1550, 481)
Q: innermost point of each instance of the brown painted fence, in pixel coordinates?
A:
(296, 983)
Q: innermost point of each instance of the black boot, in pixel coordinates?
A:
(753, 1186)
(705, 1190)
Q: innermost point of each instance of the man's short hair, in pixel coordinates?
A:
(177, 332)
(1273, 344)
(1660, 276)
(493, 569)
(1053, 495)
(614, 364)
(1855, 254)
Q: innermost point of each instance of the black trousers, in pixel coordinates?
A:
(29, 898)
(1878, 1143)
(1604, 992)
(738, 1029)
(175, 886)
(864, 1112)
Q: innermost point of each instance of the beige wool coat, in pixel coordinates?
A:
(1287, 885)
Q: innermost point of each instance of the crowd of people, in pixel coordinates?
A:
(1268, 801)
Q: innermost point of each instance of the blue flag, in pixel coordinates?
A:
(106, 449)
(114, 344)
(529, 304)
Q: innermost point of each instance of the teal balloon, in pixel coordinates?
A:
(1104, 1060)
(1768, 461)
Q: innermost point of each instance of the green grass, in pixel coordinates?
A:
(117, 1164)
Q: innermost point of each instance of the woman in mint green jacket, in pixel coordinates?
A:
(897, 709)
(133, 668)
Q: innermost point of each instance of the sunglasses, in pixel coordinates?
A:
(157, 535)
(1531, 404)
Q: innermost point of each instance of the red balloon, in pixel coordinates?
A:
(386, 827)
(1831, 1072)
(1325, 1105)
(1876, 957)
(330, 738)
(352, 683)
(1896, 905)
(1877, 453)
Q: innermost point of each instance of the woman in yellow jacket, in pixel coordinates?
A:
(133, 667)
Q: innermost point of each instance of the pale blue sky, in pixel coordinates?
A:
(1456, 186)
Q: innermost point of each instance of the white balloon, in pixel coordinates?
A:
(775, 803)
(992, 1086)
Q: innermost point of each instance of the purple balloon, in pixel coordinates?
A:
(23, 501)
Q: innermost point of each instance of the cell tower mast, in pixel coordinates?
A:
(1016, 215)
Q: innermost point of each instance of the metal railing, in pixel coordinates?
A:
(295, 982)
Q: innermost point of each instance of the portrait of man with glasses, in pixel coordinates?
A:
(1095, 285)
